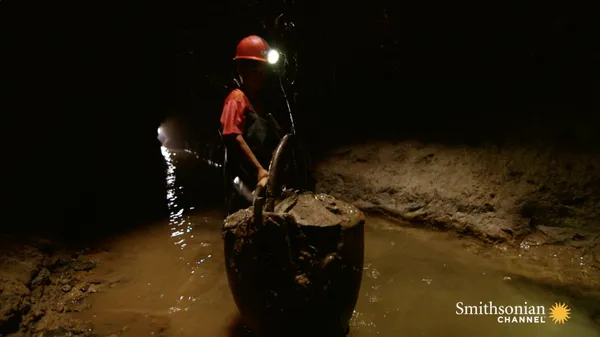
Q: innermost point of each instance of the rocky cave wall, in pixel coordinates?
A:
(515, 194)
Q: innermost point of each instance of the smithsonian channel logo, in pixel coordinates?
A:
(559, 313)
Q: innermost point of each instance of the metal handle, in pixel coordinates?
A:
(258, 205)
(275, 167)
(273, 181)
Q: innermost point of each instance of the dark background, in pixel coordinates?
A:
(86, 88)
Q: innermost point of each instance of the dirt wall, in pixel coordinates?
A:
(513, 194)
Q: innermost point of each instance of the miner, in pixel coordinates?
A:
(249, 135)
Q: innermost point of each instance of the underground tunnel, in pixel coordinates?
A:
(466, 137)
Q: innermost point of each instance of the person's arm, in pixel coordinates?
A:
(247, 152)
(232, 121)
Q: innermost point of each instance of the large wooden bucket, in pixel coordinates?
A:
(296, 271)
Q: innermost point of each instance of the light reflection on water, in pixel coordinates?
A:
(179, 223)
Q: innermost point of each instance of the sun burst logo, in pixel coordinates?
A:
(560, 313)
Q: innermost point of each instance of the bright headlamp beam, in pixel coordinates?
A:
(272, 56)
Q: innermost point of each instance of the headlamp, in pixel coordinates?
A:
(272, 56)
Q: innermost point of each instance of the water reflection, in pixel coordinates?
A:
(411, 288)
(179, 223)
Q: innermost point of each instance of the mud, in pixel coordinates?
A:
(40, 285)
(510, 194)
(169, 278)
(302, 263)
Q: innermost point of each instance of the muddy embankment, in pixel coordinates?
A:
(40, 284)
(513, 194)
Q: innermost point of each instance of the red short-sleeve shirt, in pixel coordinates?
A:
(234, 113)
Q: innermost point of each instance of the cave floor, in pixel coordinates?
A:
(169, 280)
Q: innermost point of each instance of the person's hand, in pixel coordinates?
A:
(263, 182)
(262, 177)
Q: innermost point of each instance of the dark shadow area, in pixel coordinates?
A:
(87, 94)
(236, 328)
(460, 75)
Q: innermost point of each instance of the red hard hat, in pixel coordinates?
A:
(252, 48)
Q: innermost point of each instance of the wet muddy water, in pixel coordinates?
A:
(168, 279)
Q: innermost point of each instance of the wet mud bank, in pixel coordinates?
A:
(41, 284)
(514, 196)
